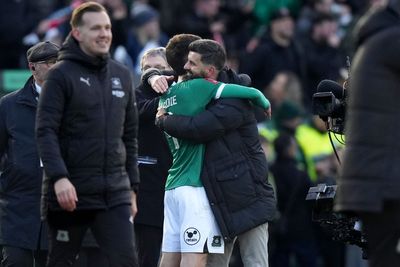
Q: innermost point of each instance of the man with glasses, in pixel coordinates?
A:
(22, 235)
(155, 159)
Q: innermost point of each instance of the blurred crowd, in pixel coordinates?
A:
(286, 46)
(307, 39)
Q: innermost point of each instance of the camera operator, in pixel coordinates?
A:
(370, 181)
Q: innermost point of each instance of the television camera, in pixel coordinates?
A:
(330, 104)
(343, 227)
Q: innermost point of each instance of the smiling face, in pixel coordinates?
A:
(94, 34)
(156, 61)
(39, 69)
(197, 69)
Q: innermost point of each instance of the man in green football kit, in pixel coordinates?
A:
(190, 98)
(190, 229)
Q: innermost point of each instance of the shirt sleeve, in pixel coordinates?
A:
(239, 91)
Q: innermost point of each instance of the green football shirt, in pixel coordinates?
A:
(190, 98)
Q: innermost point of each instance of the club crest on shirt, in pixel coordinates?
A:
(62, 236)
(116, 83)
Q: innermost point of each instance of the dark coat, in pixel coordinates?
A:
(12, 12)
(21, 177)
(371, 168)
(292, 186)
(152, 143)
(87, 129)
(235, 171)
(18, 18)
(290, 58)
(322, 62)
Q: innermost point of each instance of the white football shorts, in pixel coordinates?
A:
(189, 224)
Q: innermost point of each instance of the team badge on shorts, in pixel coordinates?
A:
(191, 236)
(217, 241)
(62, 236)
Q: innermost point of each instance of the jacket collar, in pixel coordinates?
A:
(27, 94)
(70, 50)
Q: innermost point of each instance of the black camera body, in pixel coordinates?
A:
(330, 104)
(343, 227)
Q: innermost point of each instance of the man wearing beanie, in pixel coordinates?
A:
(22, 234)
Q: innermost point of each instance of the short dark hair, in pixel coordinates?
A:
(77, 14)
(177, 51)
(320, 18)
(211, 52)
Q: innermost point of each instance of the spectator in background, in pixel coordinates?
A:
(314, 142)
(87, 138)
(324, 59)
(17, 19)
(263, 12)
(119, 15)
(204, 20)
(349, 40)
(52, 27)
(284, 91)
(144, 34)
(55, 26)
(285, 86)
(155, 159)
(279, 47)
(170, 14)
(238, 21)
(293, 232)
(286, 119)
(23, 236)
(309, 11)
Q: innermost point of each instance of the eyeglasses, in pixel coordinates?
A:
(48, 62)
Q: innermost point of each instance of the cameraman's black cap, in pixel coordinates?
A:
(42, 51)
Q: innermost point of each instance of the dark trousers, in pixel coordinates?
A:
(304, 251)
(91, 257)
(148, 243)
(19, 257)
(383, 235)
(90, 254)
(111, 228)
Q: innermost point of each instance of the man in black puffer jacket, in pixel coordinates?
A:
(87, 138)
(370, 183)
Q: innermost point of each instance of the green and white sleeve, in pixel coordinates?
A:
(239, 91)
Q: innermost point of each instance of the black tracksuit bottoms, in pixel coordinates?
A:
(112, 229)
